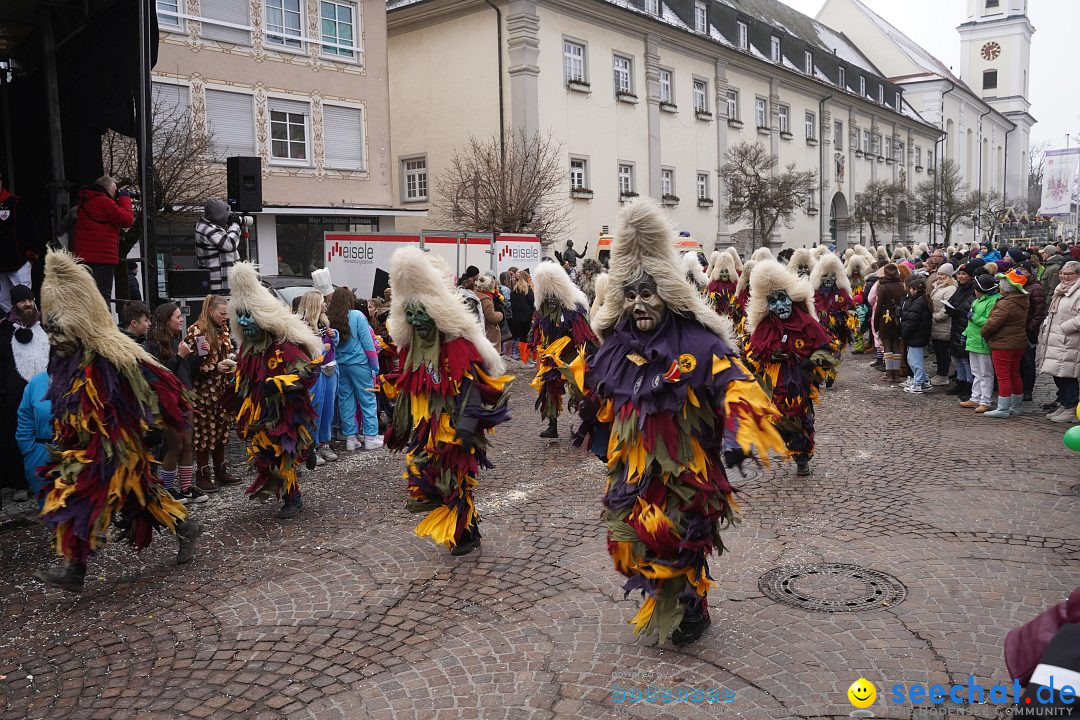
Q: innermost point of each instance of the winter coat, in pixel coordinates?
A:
(217, 249)
(942, 323)
(1006, 326)
(98, 225)
(980, 311)
(35, 430)
(521, 307)
(183, 368)
(890, 293)
(1059, 337)
(961, 302)
(915, 321)
(359, 348)
(1052, 270)
(492, 319)
(1036, 309)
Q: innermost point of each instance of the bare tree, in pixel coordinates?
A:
(1036, 164)
(876, 206)
(989, 211)
(945, 200)
(757, 195)
(519, 188)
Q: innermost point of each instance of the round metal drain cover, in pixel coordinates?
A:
(748, 471)
(832, 587)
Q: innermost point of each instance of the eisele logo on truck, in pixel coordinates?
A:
(355, 252)
(522, 254)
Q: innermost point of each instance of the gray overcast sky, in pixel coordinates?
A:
(932, 23)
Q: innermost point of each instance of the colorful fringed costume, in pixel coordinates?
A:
(856, 269)
(834, 307)
(449, 392)
(107, 396)
(277, 366)
(560, 332)
(662, 403)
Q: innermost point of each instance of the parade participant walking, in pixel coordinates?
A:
(324, 393)
(982, 365)
(742, 297)
(801, 262)
(1005, 332)
(450, 392)
(1058, 353)
(723, 281)
(857, 268)
(106, 391)
(834, 307)
(667, 403)
(560, 331)
(789, 352)
(277, 365)
(694, 274)
(358, 364)
(213, 420)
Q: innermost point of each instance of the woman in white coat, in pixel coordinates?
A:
(1058, 353)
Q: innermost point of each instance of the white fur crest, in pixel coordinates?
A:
(767, 276)
(713, 257)
(857, 262)
(830, 264)
(725, 262)
(247, 294)
(735, 254)
(744, 277)
(762, 253)
(600, 289)
(800, 257)
(692, 268)
(551, 281)
(820, 251)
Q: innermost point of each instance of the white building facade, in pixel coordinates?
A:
(646, 98)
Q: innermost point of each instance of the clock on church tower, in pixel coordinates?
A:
(990, 51)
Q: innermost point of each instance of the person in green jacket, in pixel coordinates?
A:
(982, 365)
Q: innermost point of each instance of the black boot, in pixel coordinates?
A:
(292, 507)
(965, 391)
(552, 430)
(187, 532)
(691, 628)
(802, 465)
(956, 389)
(312, 462)
(470, 540)
(69, 576)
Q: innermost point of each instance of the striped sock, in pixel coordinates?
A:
(187, 474)
(168, 478)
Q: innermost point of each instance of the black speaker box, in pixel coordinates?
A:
(244, 183)
(189, 283)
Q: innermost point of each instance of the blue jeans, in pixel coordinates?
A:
(323, 397)
(915, 361)
(963, 369)
(355, 383)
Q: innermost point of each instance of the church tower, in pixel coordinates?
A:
(995, 60)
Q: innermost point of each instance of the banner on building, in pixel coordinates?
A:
(1059, 181)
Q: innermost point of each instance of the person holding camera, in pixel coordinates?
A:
(103, 213)
(217, 242)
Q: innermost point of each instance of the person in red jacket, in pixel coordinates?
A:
(103, 214)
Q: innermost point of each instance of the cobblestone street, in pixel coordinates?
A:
(343, 612)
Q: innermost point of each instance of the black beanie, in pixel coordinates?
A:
(20, 293)
(986, 283)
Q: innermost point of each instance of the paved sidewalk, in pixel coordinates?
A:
(344, 613)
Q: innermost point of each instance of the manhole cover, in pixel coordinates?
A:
(749, 471)
(1076, 489)
(832, 587)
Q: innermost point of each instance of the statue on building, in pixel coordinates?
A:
(839, 168)
(570, 256)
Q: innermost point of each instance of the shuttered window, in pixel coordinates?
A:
(231, 118)
(170, 100)
(343, 128)
(226, 13)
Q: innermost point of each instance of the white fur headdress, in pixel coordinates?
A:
(826, 265)
(820, 251)
(857, 262)
(767, 276)
(880, 255)
(864, 251)
(725, 262)
(71, 301)
(551, 281)
(801, 256)
(414, 278)
(692, 269)
(643, 244)
(247, 294)
(712, 262)
(922, 248)
(735, 254)
(744, 277)
(900, 252)
(762, 253)
(848, 253)
(600, 290)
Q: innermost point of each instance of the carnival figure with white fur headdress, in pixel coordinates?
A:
(560, 331)
(108, 394)
(857, 269)
(276, 368)
(723, 281)
(789, 351)
(450, 391)
(834, 307)
(667, 402)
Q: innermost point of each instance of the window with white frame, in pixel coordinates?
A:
(414, 178)
(343, 133)
(881, 94)
(809, 122)
(875, 143)
(623, 67)
(918, 156)
(900, 157)
(652, 7)
(866, 141)
(703, 186)
(230, 117)
(929, 158)
(289, 130)
(888, 147)
(862, 86)
(284, 20)
(761, 115)
(732, 104)
(808, 62)
(841, 78)
(168, 13)
(811, 200)
(579, 173)
(626, 179)
(838, 134)
(667, 181)
(701, 17)
(665, 87)
(338, 27)
(573, 61)
(784, 112)
(701, 92)
(743, 35)
(775, 49)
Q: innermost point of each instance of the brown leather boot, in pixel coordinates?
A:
(222, 476)
(204, 482)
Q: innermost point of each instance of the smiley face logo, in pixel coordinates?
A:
(862, 693)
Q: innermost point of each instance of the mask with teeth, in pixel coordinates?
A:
(644, 304)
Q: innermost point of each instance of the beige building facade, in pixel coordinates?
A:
(302, 85)
(646, 98)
